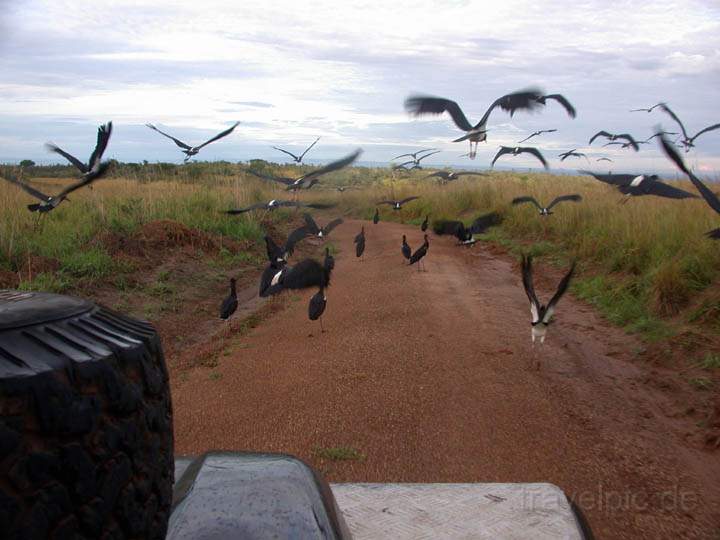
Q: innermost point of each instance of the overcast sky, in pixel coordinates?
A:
(292, 71)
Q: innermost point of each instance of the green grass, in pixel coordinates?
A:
(701, 383)
(339, 453)
(710, 362)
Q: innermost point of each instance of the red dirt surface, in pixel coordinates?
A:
(431, 377)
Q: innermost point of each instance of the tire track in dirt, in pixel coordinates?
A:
(428, 374)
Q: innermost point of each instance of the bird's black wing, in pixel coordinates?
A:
(407, 199)
(706, 193)
(308, 149)
(527, 279)
(419, 105)
(25, 187)
(274, 252)
(470, 173)
(526, 199)
(484, 222)
(286, 181)
(98, 172)
(668, 110)
(439, 174)
(561, 198)
(386, 202)
(72, 159)
(562, 287)
(562, 100)
(599, 134)
(444, 226)
(613, 179)
(310, 223)
(103, 137)
(535, 152)
(177, 141)
(522, 100)
(435, 152)
(327, 229)
(629, 138)
(294, 237)
(246, 209)
(503, 150)
(603, 159)
(220, 135)
(661, 189)
(296, 158)
(306, 273)
(709, 128)
(317, 206)
(333, 166)
(529, 137)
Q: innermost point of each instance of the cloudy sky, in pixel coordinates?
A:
(292, 71)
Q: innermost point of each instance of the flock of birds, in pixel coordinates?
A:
(278, 275)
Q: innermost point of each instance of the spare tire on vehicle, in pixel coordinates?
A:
(86, 438)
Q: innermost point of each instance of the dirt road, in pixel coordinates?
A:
(428, 375)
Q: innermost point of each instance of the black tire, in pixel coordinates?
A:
(86, 438)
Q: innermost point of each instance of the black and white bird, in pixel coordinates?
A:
(298, 159)
(318, 231)
(305, 274)
(190, 151)
(710, 198)
(465, 235)
(642, 184)
(630, 144)
(376, 217)
(329, 261)
(571, 153)
(542, 314)
(419, 254)
(449, 176)
(359, 242)
(278, 256)
(414, 155)
(612, 138)
(536, 133)
(230, 304)
(658, 134)
(604, 159)
(546, 210)
(646, 110)
(424, 224)
(519, 150)
(50, 202)
(397, 205)
(308, 180)
(529, 100)
(405, 249)
(93, 165)
(275, 204)
(316, 307)
(687, 141)
(415, 159)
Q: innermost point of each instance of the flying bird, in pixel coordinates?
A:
(629, 144)
(612, 138)
(414, 155)
(646, 110)
(298, 159)
(465, 235)
(546, 210)
(415, 159)
(93, 164)
(190, 151)
(643, 184)
(275, 203)
(316, 307)
(230, 304)
(519, 150)
(424, 224)
(376, 217)
(305, 274)
(397, 205)
(529, 100)
(419, 254)
(687, 141)
(449, 176)
(320, 232)
(536, 133)
(48, 202)
(710, 197)
(308, 180)
(359, 242)
(658, 134)
(278, 256)
(541, 314)
(571, 153)
(329, 261)
(604, 159)
(405, 249)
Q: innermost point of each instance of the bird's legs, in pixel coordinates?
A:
(322, 330)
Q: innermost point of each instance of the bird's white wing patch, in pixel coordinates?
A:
(276, 278)
(548, 315)
(272, 203)
(637, 181)
(534, 312)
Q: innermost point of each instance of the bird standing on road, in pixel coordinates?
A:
(376, 217)
(405, 249)
(424, 224)
(230, 304)
(541, 314)
(545, 211)
(188, 150)
(360, 242)
(419, 254)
